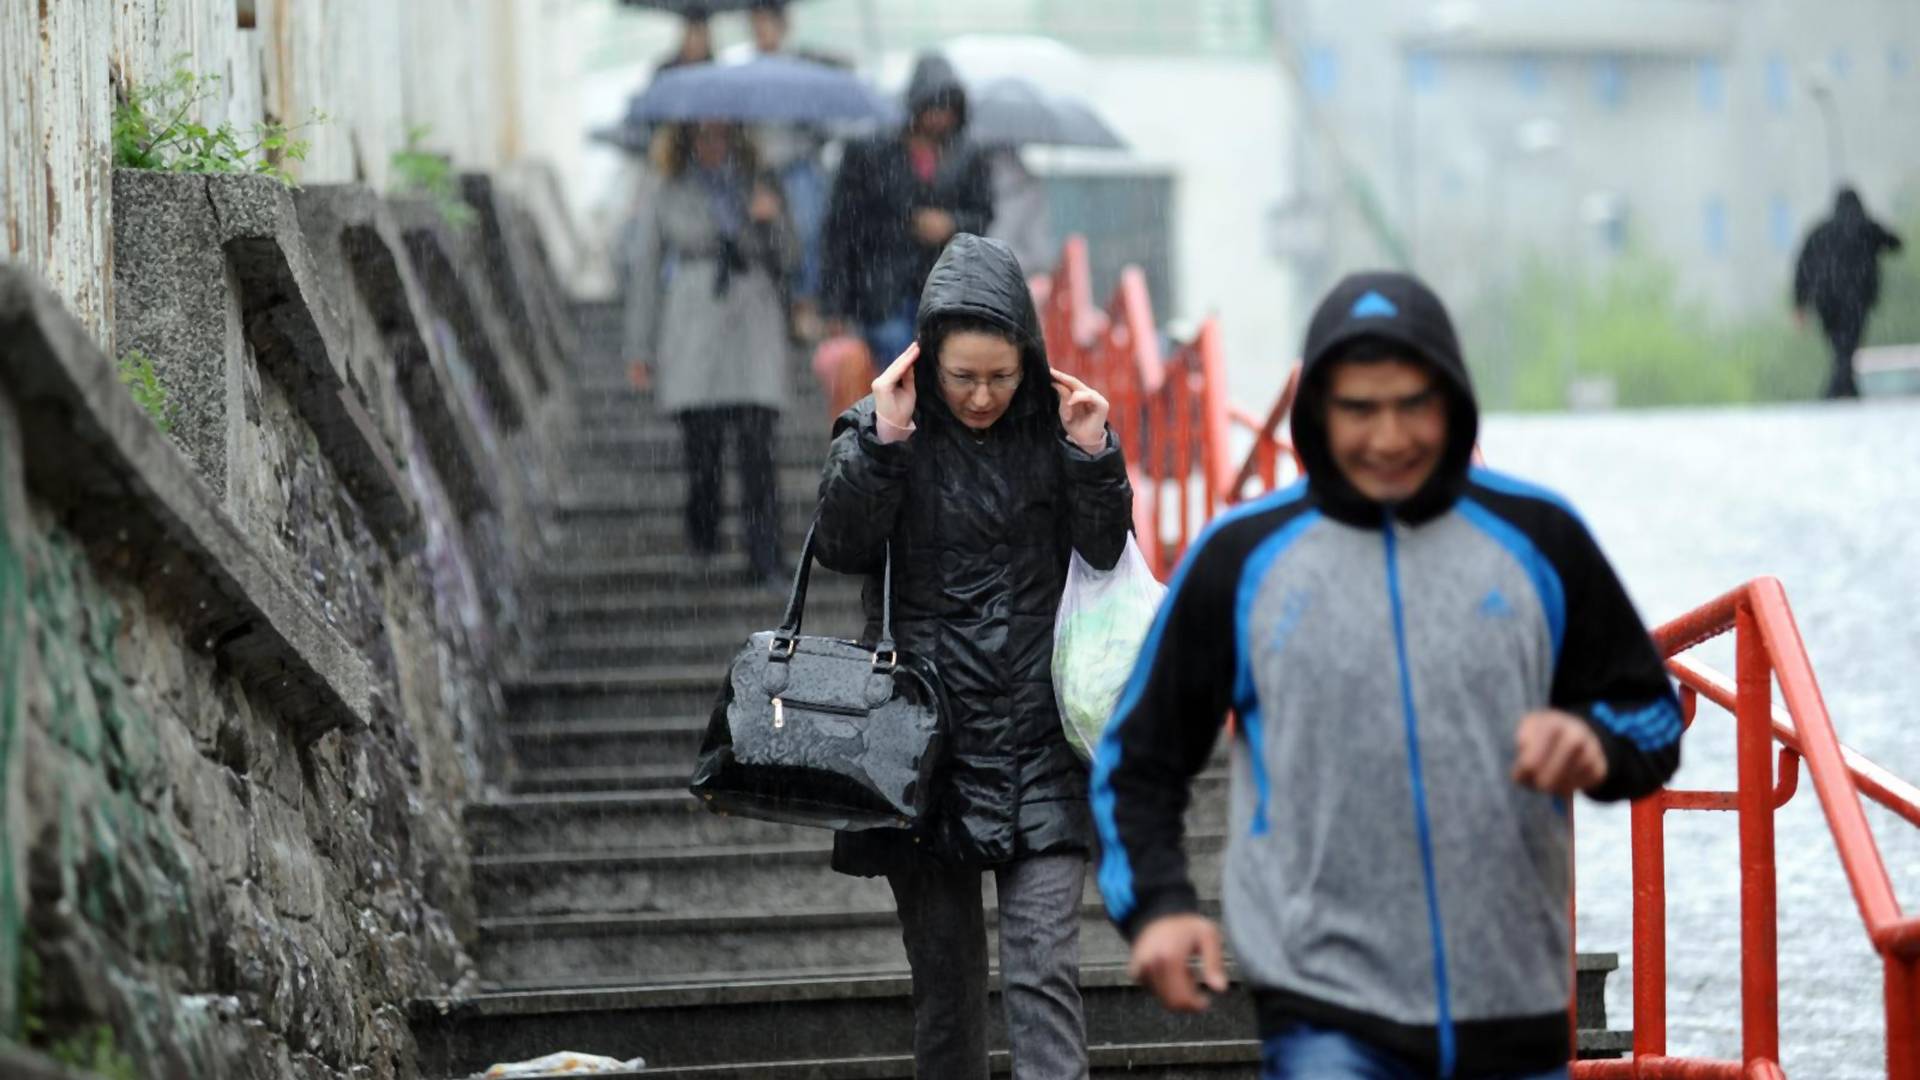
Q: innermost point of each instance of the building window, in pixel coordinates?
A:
(1610, 82)
(1779, 84)
(1528, 76)
(1780, 223)
(1323, 71)
(1423, 72)
(1713, 86)
(1714, 225)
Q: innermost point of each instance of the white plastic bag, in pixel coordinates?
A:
(1104, 617)
(564, 1063)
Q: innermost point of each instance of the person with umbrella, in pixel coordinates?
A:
(896, 202)
(710, 255)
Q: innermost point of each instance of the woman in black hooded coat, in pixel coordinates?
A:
(983, 468)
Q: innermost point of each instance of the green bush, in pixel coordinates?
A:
(417, 170)
(138, 376)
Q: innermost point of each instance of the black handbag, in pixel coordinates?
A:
(824, 731)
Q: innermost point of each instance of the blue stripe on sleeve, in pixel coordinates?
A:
(1539, 569)
(1116, 870)
(1650, 727)
(1246, 699)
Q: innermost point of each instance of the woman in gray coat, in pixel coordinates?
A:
(710, 255)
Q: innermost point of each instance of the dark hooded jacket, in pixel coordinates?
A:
(872, 264)
(1385, 875)
(1838, 274)
(981, 526)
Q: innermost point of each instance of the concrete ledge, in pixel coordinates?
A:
(137, 503)
(467, 302)
(503, 249)
(18, 1064)
(357, 243)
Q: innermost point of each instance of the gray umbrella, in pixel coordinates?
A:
(769, 89)
(1010, 110)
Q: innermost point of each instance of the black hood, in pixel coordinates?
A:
(1400, 311)
(979, 278)
(935, 83)
(1847, 204)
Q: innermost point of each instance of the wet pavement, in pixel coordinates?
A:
(1688, 504)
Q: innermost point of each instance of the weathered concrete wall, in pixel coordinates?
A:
(247, 666)
(375, 67)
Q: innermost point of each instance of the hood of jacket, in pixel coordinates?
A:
(935, 82)
(980, 278)
(1401, 311)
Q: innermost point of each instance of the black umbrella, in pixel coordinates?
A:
(1011, 110)
(769, 89)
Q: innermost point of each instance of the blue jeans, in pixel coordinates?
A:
(1305, 1052)
(890, 337)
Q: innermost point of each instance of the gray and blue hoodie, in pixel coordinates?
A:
(1385, 875)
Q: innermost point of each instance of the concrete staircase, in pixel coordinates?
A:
(621, 918)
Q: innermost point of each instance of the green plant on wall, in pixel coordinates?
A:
(417, 170)
(154, 128)
(137, 375)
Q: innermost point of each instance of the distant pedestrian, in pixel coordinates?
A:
(696, 40)
(1838, 275)
(1425, 659)
(1021, 215)
(982, 469)
(709, 257)
(896, 202)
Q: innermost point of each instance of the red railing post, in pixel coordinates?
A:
(1649, 925)
(1903, 1017)
(1759, 928)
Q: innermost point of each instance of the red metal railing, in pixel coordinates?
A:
(1767, 649)
(1172, 418)
(1169, 412)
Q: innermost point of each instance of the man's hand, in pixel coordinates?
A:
(1557, 753)
(1083, 412)
(933, 227)
(1163, 955)
(893, 392)
(639, 374)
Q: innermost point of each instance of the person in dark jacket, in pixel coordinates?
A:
(982, 469)
(1426, 660)
(895, 203)
(1838, 275)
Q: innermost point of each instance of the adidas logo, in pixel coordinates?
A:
(1495, 606)
(1373, 306)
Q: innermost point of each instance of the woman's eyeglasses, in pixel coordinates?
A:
(999, 384)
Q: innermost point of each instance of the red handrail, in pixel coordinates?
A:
(1171, 414)
(1767, 648)
(1176, 414)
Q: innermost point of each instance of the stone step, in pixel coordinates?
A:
(771, 1021)
(661, 776)
(614, 536)
(651, 571)
(830, 595)
(780, 1025)
(542, 949)
(622, 822)
(576, 743)
(796, 439)
(702, 644)
(614, 693)
(693, 880)
(797, 483)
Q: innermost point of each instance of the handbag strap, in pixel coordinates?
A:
(789, 630)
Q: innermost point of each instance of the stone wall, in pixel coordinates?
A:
(247, 665)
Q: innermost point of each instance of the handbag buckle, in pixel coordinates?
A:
(779, 714)
(888, 663)
(773, 648)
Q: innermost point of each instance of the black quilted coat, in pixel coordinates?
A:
(981, 525)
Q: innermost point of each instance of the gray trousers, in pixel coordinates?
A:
(944, 925)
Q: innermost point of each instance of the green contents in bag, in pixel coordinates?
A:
(1104, 617)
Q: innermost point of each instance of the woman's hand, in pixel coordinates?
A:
(1083, 412)
(893, 392)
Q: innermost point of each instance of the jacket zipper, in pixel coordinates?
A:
(1410, 717)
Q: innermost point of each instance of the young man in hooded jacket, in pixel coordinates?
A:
(1426, 659)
